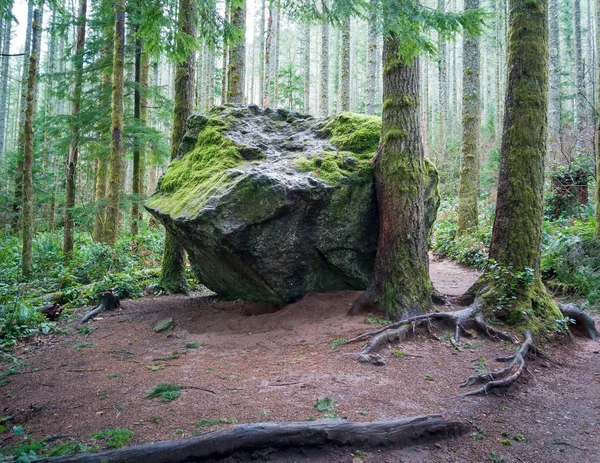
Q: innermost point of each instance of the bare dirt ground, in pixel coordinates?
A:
(254, 366)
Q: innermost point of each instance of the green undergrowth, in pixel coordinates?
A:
(192, 179)
(356, 136)
(570, 252)
(128, 267)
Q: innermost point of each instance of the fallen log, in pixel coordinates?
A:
(107, 300)
(401, 432)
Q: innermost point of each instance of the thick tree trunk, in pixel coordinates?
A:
(372, 53)
(172, 276)
(402, 432)
(517, 234)
(75, 123)
(5, 47)
(237, 59)
(555, 91)
(344, 91)
(306, 66)
(468, 189)
(324, 85)
(18, 195)
(28, 199)
(115, 176)
(400, 283)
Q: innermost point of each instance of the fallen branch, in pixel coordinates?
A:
(402, 432)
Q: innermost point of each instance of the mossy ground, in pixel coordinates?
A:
(192, 179)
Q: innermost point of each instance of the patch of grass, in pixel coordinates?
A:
(495, 457)
(155, 367)
(86, 329)
(165, 391)
(372, 320)
(478, 436)
(337, 342)
(85, 345)
(5, 381)
(155, 419)
(326, 404)
(504, 407)
(481, 365)
(194, 345)
(519, 437)
(71, 448)
(174, 356)
(429, 377)
(471, 345)
(330, 416)
(398, 353)
(114, 376)
(214, 422)
(445, 336)
(114, 438)
(506, 442)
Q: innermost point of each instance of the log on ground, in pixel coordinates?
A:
(402, 432)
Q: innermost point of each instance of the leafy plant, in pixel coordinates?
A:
(337, 342)
(165, 391)
(324, 405)
(398, 353)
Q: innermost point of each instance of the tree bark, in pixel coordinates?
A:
(75, 128)
(400, 283)
(172, 276)
(344, 92)
(597, 140)
(261, 52)
(274, 62)
(402, 432)
(517, 232)
(468, 189)
(115, 176)
(442, 90)
(28, 141)
(5, 47)
(306, 66)
(555, 91)
(372, 52)
(324, 88)
(18, 195)
(266, 102)
(237, 59)
(580, 113)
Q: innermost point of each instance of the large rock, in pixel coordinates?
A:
(272, 204)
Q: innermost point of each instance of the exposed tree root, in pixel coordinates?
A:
(107, 300)
(504, 376)
(461, 321)
(249, 437)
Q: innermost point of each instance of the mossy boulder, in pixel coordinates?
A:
(272, 204)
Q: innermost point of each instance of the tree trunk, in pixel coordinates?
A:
(324, 88)
(115, 176)
(274, 63)
(580, 112)
(172, 276)
(517, 233)
(442, 91)
(266, 102)
(18, 195)
(468, 189)
(75, 123)
(597, 192)
(261, 52)
(400, 283)
(306, 66)
(555, 91)
(344, 92)
(372, 52)
(5, 47)
(27, 218)
(237, 59)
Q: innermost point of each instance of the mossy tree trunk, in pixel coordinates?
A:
(237, 58)
(115, 176)
(74, 147)
(172, 276)
(4, 68)
(28, 140)
(344, 92)
(468, 189)
(400, 283)
(517, 234)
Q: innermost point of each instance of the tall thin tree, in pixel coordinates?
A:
(237, 58)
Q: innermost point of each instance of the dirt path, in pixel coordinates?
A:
(240, 364)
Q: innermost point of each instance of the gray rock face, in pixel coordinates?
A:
(289, 213)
